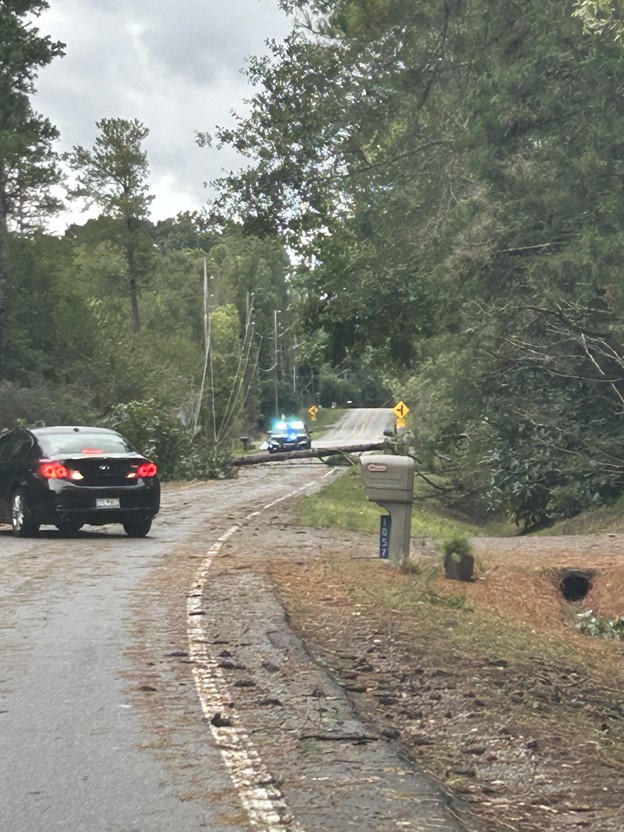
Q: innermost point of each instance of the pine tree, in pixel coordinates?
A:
(27, 163)
(113, 175)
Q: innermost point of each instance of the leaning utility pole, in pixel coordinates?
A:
(310, 453)
(206, 347)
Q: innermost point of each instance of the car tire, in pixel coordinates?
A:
(137, 528)
(22, 522)
(68, 528)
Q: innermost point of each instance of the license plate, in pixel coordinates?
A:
(107, 502)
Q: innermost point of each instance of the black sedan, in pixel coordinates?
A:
(69, 476)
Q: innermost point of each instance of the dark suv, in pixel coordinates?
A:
(69, 476)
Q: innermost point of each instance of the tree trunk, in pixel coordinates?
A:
(134, 291)
(134, 300)
(4, 259)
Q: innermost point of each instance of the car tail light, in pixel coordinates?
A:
(147, 470)
(53, 471)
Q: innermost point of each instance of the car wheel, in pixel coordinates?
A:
(137, 528)
(68, 528)
(21, 520)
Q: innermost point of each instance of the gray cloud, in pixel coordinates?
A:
(176, 66)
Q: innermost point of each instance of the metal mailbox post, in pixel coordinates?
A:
(389, 481)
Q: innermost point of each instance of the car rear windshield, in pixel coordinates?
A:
(55, 444)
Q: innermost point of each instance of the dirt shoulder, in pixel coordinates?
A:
(486, 687)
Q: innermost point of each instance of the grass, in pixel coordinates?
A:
(325, 419)
(343, 504)
(594, 521)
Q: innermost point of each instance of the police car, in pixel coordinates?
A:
(289, 435)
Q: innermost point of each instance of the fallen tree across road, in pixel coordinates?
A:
(311, 453)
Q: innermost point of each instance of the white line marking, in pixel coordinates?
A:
(262, 800)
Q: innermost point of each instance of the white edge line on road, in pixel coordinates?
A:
(262, 800)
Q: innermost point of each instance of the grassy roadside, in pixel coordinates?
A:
(325, 419)
(599, 520)
(343, 504)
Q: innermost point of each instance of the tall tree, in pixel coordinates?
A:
(27, 166)
(113, 175)
(450, 173)
(354, 140)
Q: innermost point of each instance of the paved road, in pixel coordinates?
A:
(105, 689)
(90, 638)
(358, 426)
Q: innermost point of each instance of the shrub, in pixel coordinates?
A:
(152, 430)
(55, 405)
(600, 626)
(157, 433)
(456, 546)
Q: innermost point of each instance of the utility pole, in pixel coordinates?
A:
(276, 363)
(294, 352)
(206, 308)
(206, 315)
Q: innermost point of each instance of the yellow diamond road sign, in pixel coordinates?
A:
(400, 410)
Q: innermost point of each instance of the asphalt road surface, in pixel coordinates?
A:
(101, 725)
(79, 748)
(359, 426)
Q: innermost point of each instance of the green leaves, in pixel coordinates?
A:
(600, 626)
(113, 174)
(27, 161)
(23, 50)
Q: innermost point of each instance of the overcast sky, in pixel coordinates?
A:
(173, 64)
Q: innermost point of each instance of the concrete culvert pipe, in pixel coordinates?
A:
(575, 584)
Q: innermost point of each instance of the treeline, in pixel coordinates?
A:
(206, 347)
(74, 352)
(450, 173)
(433, 206)
(181, 333)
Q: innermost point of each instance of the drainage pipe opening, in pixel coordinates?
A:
(576, 585)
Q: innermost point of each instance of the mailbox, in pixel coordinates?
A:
(388, 479)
